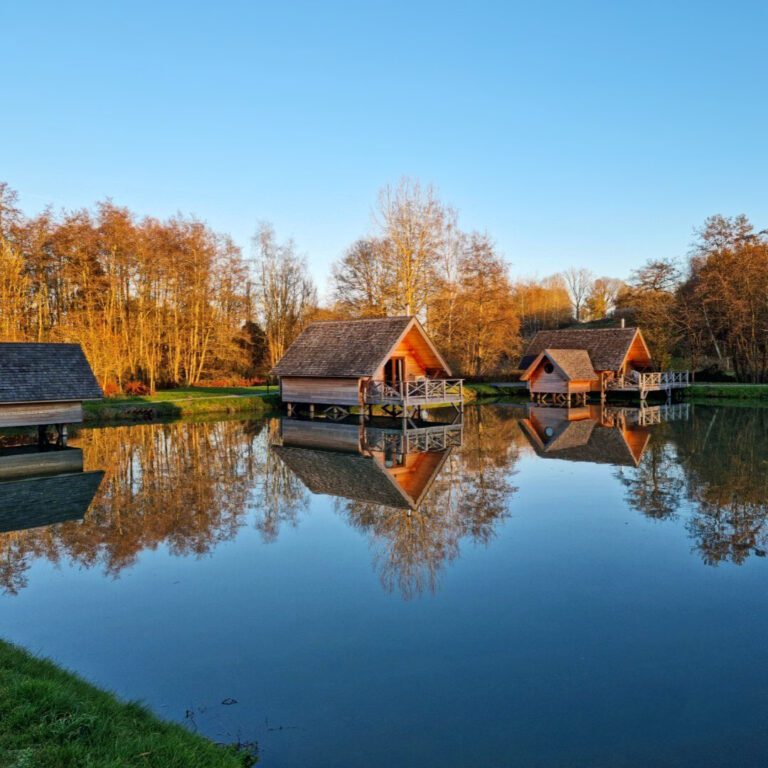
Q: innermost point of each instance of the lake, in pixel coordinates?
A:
(525, 588)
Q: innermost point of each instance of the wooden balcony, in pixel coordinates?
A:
(424, 439)
(413, 393)
(657, 381)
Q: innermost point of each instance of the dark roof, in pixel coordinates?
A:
(349, 475)
(35, 373)
(584, 440)
(343, 348)
(606, 347)
(46, 500)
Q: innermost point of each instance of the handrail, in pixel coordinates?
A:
(418, 391)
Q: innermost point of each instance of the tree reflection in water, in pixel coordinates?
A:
(715, 467)
(467, 501)
(188, 487)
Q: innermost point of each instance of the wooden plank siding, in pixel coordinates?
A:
(554, 383)
(32, 414)
(320, 391)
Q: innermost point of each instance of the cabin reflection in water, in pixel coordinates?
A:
(596, 434)
(43, 487)
(371, 462)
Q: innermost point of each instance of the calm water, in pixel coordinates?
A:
(565, 593)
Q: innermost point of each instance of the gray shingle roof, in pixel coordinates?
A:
(606, 347)
(349, 475)
(35, 373)
(343, 348)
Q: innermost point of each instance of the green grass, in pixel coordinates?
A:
(50, 718)
(730, 391)
(182, 403)
(196, 393)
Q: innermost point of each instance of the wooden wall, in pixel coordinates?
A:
(320, 434)
(637, 356)
(306, 389)
(418, 356)
(33, 414)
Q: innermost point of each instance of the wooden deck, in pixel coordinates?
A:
(644, 383)
(414, 393)
(415, 439)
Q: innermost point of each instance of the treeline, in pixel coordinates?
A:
(173, 302)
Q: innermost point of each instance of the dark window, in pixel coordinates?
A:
(549, 368)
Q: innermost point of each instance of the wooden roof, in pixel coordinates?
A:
(35, 373)
(349, 348)
(573, 364)
(41, 501)
(606, 347)
(584, 440)
(349, 475)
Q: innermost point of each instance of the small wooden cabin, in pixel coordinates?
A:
(586, 433)
(44, 384)
(368, 464)
(387, 361)
(566, 364)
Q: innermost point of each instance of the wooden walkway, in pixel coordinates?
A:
(644, 383)
(413, 393)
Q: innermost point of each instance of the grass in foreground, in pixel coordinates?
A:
(50, 718)
(193, 393)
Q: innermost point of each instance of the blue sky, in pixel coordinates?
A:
(594, 134)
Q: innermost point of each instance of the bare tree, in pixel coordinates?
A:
(578, 282)
(285, 293)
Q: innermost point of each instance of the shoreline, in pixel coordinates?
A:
(51, 717)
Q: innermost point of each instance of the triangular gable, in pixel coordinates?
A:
(415, 324)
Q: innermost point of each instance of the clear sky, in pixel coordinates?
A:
(575, 133)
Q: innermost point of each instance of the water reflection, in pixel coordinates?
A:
(417, 494)
(416, 491)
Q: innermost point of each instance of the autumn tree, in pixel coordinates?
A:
(601, 300)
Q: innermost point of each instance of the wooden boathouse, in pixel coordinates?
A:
(44, 385)
(337, 365)
(565, 367)
(375, 464)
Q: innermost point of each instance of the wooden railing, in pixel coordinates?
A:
(417, 392)
(414, 439)
(648, 382)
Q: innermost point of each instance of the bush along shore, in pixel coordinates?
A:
(728, 391)
(50, 718)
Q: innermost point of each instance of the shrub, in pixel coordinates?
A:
(136, 388)
(111, 388)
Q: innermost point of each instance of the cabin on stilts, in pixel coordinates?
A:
(44, 385)
(586, 433)
(370, 463)
(337, 365)
(564, 367)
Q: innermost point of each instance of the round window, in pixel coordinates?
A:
(549, 368)
(548, 431)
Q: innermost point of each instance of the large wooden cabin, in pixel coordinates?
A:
(373, 464)
(43, 385)
(564, 366)
(390, 361)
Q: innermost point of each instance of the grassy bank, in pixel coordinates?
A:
(50, 718)
(184, 402)
(728, 391)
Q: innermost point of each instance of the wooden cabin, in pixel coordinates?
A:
(41, 488)
(389, 361)
(43, 385)
(391, 467)
(587, 433)
(561, 367)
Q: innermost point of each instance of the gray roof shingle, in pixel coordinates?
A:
(36, 373)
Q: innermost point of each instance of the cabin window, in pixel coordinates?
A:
(548, 367)
(549, 431)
